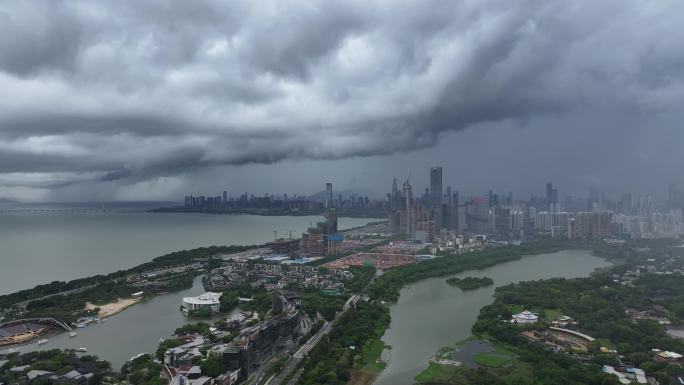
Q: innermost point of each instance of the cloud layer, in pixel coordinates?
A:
(130, 90)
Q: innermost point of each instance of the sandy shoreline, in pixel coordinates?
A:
(113, 307)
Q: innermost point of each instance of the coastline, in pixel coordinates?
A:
(114, 307)
(265, 212)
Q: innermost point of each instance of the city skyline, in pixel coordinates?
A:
(290, 192)
(505, 95)
(446, 191)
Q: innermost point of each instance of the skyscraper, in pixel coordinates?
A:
(407, 210)
(328, 196)
(436, 194)
(395, 208)
(395, 204)
(551, 193)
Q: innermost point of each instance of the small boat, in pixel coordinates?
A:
(83, 350)
(12, 350)
(42, 341)
(73, 333)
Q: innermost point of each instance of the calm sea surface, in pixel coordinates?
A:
(43, 246)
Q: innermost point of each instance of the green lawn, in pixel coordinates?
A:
(438, 373)
(369, 360)
(492, 360)
(552, 314)
(503, 362)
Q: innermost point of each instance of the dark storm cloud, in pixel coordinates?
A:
(110, 91)
(38, 36)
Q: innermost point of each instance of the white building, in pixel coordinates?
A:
(204, 301)
(526, 317)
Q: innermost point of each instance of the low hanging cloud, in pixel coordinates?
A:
(130, 90)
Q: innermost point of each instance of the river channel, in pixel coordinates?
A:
(132, 331)
(431, 314)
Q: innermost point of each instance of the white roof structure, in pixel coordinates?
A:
(578, 334)
(670, 355)
(33, 374)
(204, 299)
(621, 377)
(639, 374)
(525, 317)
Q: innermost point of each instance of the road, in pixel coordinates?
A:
(24, 304)
(258, 376)
(300, 354)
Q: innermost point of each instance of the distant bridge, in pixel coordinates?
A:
(64, 210)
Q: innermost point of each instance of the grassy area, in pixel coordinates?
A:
(503, 361)
(552, 314)
(439, 373)
(492, 360)
(367, 367)
(370, 356)
(517, 373)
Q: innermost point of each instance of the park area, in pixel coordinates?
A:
(452, 364)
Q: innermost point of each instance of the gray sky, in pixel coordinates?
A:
(154, 99)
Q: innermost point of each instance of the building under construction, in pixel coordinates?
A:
(324, 238)
(284, 246)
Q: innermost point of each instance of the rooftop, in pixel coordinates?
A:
(204, 299)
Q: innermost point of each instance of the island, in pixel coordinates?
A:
(470, 283)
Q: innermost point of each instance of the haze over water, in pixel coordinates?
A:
(41, 247)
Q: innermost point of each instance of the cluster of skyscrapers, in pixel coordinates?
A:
(499, 217)
(424, 217)
(352, 204)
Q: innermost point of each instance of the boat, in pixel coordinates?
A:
(12, 350)
(85, 321)
(42, 341)
(73, 333)
(83, 350)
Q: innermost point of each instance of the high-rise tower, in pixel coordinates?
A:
(328, 196)
(436, 195)
(407, 210)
